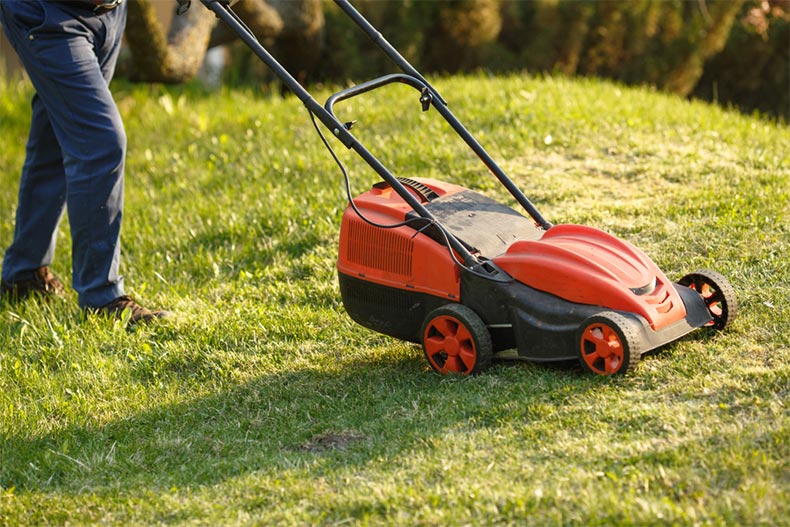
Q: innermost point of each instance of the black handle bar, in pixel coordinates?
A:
(365, 87)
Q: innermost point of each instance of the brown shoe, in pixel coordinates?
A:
(137, 313)
(43, 283)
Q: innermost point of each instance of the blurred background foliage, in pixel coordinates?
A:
(734, 52)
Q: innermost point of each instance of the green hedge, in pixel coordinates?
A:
(711, 49)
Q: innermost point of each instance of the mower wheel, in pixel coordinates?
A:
(456, 340)
(608, 344)
(718, 294)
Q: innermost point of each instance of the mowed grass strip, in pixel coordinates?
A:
(261, 403)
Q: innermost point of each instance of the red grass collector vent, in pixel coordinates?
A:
(382, 249)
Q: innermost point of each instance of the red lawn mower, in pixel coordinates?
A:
(471, 279)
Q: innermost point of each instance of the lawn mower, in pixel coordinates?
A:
(472, 279)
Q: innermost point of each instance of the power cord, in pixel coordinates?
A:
(409, 222)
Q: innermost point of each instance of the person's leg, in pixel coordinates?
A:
(60, 56)
(96, 247)
(42, 190)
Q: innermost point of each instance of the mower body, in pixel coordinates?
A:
(546, 284)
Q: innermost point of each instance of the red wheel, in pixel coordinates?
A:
(718, 294)
(456, 340)
(608, 344)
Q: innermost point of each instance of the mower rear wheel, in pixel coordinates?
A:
(718, 294)
(608, 344)
(456, 340)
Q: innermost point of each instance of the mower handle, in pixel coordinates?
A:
(425, 98)
(221, 8)
(443, 109)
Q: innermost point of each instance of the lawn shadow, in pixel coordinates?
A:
(350, 415)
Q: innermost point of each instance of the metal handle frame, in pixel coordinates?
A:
(223, 11)
(441, 106)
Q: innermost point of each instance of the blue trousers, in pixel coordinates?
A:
(76, 147)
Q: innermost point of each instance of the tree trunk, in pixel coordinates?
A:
(172, 59)
(684, 77)
(177, 57)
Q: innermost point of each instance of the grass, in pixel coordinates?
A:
(261, 403)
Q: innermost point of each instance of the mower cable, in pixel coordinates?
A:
(238, 20)
(427, 222)
(348, 184)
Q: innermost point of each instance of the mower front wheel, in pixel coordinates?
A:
(718, 294)
(608, 344)
(456, 340)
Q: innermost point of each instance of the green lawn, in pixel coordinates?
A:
(261, 403)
